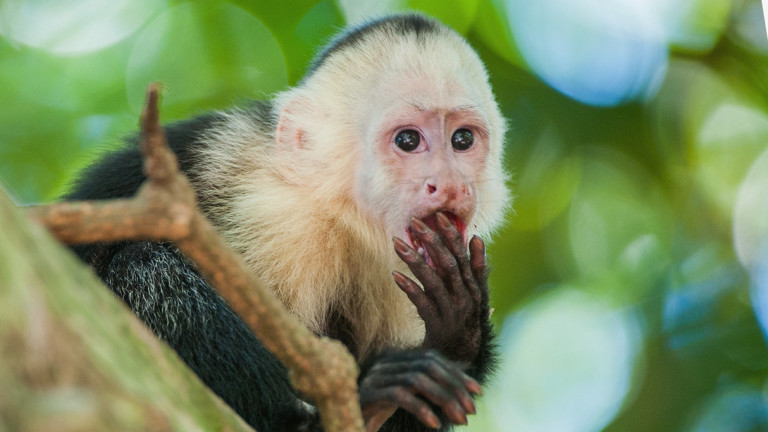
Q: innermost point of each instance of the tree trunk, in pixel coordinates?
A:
(74, 358)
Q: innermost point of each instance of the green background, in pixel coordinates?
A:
(630, 283)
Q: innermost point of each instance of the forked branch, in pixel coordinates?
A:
(165, 209)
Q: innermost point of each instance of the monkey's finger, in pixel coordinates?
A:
(455, 379)
(430, 362)
(451, 236)
(453, 372)
(472, 385)
(455, 243)
(447, 373)
(430, 280)
(442, 397)
(452, 391)
(404, 399)
(450, 372)
(478, 263)
(446, 265)
(477, 256)
(420, 384)
(424, 304)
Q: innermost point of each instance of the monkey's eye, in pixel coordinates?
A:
(462, 139)
(408, 140)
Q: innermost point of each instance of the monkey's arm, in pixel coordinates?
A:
(163, 289)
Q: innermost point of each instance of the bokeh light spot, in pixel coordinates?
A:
(546, 182)
(73, 28)
(200, 70)
(759, 275)
(750, 225)
(566, 353)
(750, 234)
(618, 216)
(599, 53)
(729, 140)
(732, 408)
(696, 25)
(355, 11)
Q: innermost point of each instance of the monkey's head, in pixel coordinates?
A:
(398, 117)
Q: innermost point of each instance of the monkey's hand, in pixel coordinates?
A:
(407, 380)
(454, 301)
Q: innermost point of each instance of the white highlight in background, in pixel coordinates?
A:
(765, 16)
(567, 353)
(73, 28)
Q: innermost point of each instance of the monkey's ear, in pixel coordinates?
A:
(290, 134)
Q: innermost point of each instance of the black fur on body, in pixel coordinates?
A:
(165, 290)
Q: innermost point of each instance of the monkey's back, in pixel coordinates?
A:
(166, 292)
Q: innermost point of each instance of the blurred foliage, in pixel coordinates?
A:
(631, 282)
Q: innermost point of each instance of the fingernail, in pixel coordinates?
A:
(477, 238)
(457, 417)
(474, 387)
(419, 226)
(432, 421)
(399, 278)
(401, 246)
(467, 404)
(443, 221)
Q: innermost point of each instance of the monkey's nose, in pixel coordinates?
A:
(446, 192)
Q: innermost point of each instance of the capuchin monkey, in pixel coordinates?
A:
(360, 197)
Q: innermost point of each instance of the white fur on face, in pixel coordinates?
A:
(435, 87)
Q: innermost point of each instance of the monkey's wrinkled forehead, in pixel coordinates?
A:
(395, 61)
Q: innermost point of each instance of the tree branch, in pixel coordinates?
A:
(75, 358)
(165, 209)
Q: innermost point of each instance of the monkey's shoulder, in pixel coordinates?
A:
(118, 173)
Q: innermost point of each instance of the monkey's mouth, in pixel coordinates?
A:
(431, 222)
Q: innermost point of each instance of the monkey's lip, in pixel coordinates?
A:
(431, 221)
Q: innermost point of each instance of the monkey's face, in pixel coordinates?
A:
(427, 152)
(409, 128)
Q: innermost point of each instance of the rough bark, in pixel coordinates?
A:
(74, 358)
